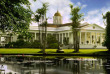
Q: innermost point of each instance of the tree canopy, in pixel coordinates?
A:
(76, 18)
(13, 15)
(107, 35)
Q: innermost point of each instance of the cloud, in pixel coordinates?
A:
(93, 12)
(84, 6)
(81, 5)
(78, 3)
(54, 5)
(95, 16)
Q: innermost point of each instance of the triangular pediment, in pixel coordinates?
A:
(93, 27)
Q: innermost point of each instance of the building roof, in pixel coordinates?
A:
(67, 26)
(57, 14)
(62, 25)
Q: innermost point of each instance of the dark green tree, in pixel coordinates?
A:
(76, 18)
(27, 36)
(107, 34)
(13, 15)
(52, 42)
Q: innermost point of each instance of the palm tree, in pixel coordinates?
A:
(76, 19)
(41, 15)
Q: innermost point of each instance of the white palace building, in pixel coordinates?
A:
(91, 35)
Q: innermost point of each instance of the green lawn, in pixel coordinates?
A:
(51, 51)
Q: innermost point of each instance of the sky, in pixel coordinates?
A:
(92, 9)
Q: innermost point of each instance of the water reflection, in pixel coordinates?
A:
(107, 66)
(42, 65)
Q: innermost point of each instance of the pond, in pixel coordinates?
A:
(54, 65)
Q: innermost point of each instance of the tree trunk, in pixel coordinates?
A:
(45, 34)
(77, 49)
(76, 41)
(39, 34)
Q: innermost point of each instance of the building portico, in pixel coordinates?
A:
(91, 37)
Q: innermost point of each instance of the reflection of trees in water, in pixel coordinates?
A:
(73, 66)
(80, 66)
(107, 66)
(42, 68)
(68, 65)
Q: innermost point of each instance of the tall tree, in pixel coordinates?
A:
(14, 16)
(107, 34)
(76, 18)
(40, 16)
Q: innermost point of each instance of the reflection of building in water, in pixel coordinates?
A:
(80, 66)
(54, 66)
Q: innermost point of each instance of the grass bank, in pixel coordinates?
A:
(53, 51)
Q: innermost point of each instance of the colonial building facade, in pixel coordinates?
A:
(91, 35)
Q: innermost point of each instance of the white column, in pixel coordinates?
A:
(59, 37)
(85, 37)
(62, 38)
(80, 37)
(90, 38)
(65, 35)
(35, 35)
(11, 38)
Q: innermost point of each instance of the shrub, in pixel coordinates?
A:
(52, 42)
(27, 45)
(10, 45)
(23, 44)
(66, 41)
(53, 45)
(19, 44)
(36, 44)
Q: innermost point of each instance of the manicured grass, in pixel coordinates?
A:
(51, 51)
(19, 51)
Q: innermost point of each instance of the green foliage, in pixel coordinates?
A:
(19, 44)
(52, 42)
(53, 45)
(76, 18)
(107, 35)
(25, 36)
(23, 44)
(10, 45)
(20, 37)
(66, 41)
(41, 14)
(10, 72)
(13, 16)
(35, 44)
